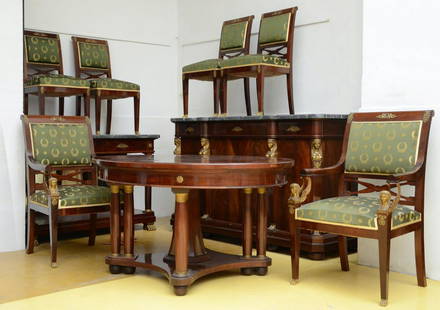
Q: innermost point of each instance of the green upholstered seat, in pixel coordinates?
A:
(353, 211)
(274, 29)
(93, 55)
(233, 36)
(42, 50)
(205, 65)
(254, 60)
(74, 196)
(382, 147)
(61, 144)
(57, 80)
(113, 84)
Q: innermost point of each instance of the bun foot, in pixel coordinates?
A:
(247, 271)
(383, 302)
(180, 290)
(114, 269)
(261, 271)
(128, 269)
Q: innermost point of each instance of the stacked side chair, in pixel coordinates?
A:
(43, 72)
(234, 41)
(61, 149)
(92, 62)
(273, 58)
(388, 148)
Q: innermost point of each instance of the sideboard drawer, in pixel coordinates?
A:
(123, 146)
(239, 129)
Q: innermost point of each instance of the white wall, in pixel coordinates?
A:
(401, 68)
(327, 54)
(12, 208)
(143, 45)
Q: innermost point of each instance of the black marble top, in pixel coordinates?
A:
(258, 118)
(126, 136)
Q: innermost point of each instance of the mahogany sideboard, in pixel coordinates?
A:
(312, 140)
(111, 145)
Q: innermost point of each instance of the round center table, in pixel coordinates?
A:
(188, 259)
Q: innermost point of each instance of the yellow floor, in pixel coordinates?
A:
(82, 281)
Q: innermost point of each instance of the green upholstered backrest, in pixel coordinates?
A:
(93, 55)
(61, 143)
(41, 50)
(274, 29)
(383, 147)
(233, 36)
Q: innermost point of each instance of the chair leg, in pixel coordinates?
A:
(53, 231)
(295, 243)
(30, 231)
(86, 106)
(247, 97)
(25, 104)
(224, 96)
(61, 106)
(109, 116)
(98, 113)
(290, 93)
(343, 253)
(92, 231)
(260, 91)
(185, 87)
(419, 240)
(41, 99)
(78, 106)
(215, 85)
(137, 104)
(384, 259)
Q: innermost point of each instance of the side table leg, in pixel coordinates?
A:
(262, 229)
(247, 229)
(150, 227)
(115, 231)
(128, 226)
(181, 238)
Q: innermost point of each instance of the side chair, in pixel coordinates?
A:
(61, 150)
(273, 58)
(234, 41)
(382, 152)
(43, 72)
(92, 62)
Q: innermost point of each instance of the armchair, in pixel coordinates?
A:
(43, 72)
(389, 148)
(234, 41)
(92, 62)
(273, 58)
(61, 149)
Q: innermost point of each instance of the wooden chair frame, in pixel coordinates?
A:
(215, 75)
(53, 175)
(283, 50)
(32, 69)
(97, 94)
(384, 234)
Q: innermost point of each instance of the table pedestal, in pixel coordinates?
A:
(187, 259)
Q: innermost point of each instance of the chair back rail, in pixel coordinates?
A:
(281, 48)
(91, 71)
(244, 48)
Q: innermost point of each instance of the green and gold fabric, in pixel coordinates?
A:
(113, 84)
(382, 147)
(353, 211)
(42, 50)
(254, 60)
(57, 80)
(233, 36)
(93, 55)
(74, 196)
(61, 144)
(205, 65)
(274, 29)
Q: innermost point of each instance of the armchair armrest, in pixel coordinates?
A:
(338, 168)
(36, 165)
